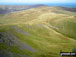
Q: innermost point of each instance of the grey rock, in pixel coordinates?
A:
(21, 31)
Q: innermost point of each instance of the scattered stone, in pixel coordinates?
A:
(20, 31)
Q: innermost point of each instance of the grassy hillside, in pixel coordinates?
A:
(37, 32)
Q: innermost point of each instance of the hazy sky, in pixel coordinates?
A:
(37, 1)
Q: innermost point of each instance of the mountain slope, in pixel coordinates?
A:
(37, 32)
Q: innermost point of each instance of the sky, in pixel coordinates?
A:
(36, 1)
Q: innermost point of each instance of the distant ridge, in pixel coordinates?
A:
(38, 5)
(67, 9)
(4, 9)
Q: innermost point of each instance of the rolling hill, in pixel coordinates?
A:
(37, 32)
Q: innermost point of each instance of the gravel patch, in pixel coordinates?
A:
(10, 40)
(20, 31)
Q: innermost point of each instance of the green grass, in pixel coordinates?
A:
(66, 27)
(46, 41)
